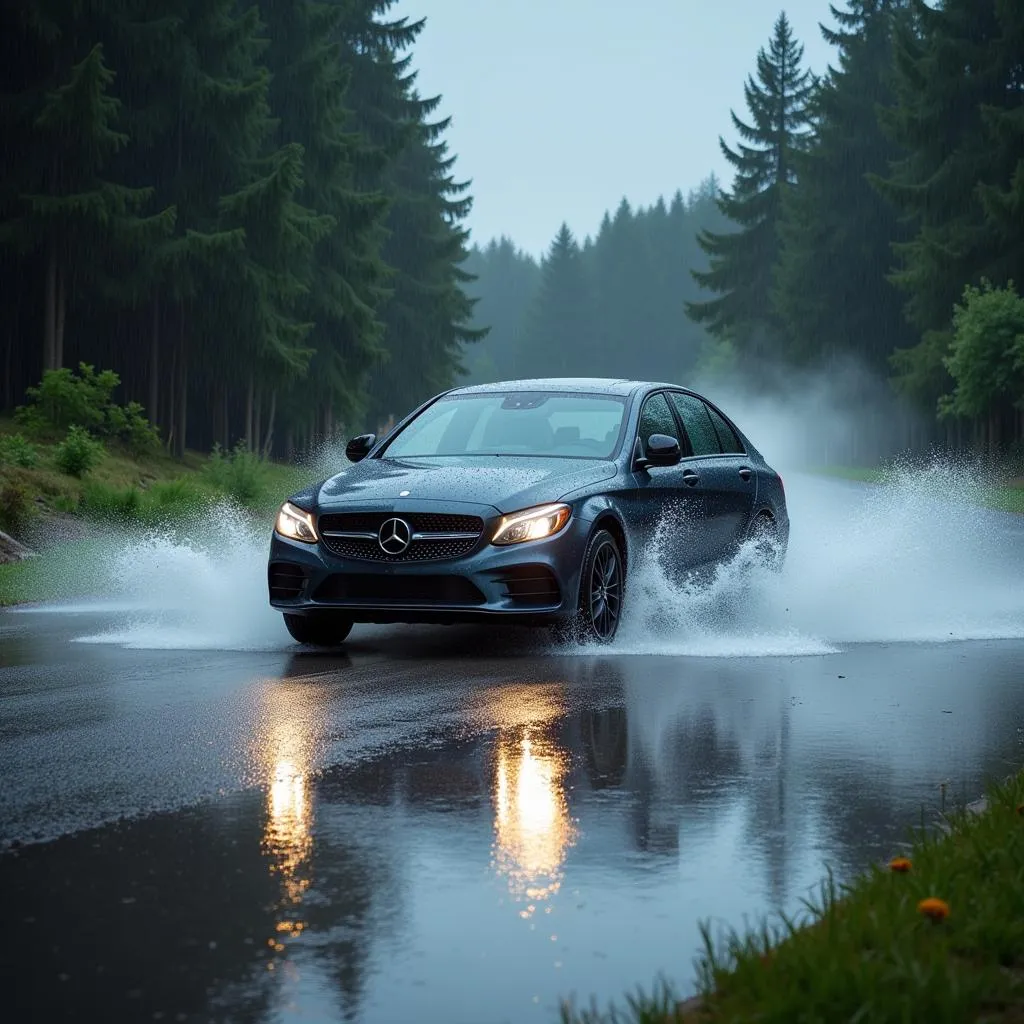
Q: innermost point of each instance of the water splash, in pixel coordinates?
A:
(202, 586)
(913, 559)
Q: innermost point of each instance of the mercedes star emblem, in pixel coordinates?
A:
(395, 536)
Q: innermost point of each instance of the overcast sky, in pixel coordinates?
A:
(562, 107)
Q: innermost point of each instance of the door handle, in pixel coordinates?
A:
(745, 473)
(690, 478)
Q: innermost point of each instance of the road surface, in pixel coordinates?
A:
(464, 826)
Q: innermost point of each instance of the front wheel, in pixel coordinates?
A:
(318, 630)
(601, 594)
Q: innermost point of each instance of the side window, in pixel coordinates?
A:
(726, 435)
(694, 414)
(657, 418)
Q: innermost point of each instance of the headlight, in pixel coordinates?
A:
(533, 524)
(292, 522)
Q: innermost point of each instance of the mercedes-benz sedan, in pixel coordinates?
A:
(524, 501)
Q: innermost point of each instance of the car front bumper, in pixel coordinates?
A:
(531, 583)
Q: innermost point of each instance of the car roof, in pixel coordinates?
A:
(588, 385)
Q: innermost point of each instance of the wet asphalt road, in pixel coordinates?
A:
(445, 825)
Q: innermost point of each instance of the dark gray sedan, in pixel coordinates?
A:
(522, 501)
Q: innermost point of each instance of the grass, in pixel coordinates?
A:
(868, 952)
(1008, 497)
(152, 491)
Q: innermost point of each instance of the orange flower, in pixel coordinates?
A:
(901, 865)
(933, 908)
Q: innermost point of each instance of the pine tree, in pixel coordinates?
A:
(506, 282)
(957, 115)
(428, 313)
(345, 275)
(742, 262)
(73, 213)
(833, 295)
(560, 336)
(202, 122)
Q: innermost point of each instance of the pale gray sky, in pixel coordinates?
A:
(561, 107)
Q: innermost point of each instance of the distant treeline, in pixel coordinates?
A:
(611, 306)
(245, 209)
(876, 218)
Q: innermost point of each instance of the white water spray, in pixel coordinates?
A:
(911, 560)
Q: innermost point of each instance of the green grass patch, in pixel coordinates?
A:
(122, 488)
(52, 576)
(869, 953)
(1009, 497)
(861, 474)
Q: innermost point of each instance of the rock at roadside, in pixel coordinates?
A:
(12, 551)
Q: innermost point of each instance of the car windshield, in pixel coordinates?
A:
(540, 423)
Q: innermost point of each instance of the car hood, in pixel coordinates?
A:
(507, 483)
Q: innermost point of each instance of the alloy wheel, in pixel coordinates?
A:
(605, 591)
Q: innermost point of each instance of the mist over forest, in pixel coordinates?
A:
(251, 215)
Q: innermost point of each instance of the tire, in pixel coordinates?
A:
(318, 630)
(602, 583)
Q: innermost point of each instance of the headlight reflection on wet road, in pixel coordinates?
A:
(288, 832)
(533, 830)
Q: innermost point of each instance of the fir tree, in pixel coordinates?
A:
(345, 273)
(560, 334)
(957, 116)
(742, 262)
(75, 215)
(833, 295)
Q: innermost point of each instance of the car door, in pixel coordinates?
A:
(668, 509)
(726, 478)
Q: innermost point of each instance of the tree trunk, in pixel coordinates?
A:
(50, 311)
(257, 420)
(224, 431)
(62, 309)
(181, 438)
(268, 443)
(154, 365)
(248, 411)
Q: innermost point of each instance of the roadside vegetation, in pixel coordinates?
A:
(1006, 497)
(936, 935)
(72, 461)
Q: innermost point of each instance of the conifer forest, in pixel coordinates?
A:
(251, 214)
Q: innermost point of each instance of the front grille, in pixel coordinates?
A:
(423, 548)
(421, 522)
(418, 551)
(371, 588)
(286, 581)
(531, 585)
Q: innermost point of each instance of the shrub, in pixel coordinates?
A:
(175, 499)
(16, 509)
(78, 452)
(111, 504)
(15, 450)
(239, 473)
(128, 424)
(63, 399)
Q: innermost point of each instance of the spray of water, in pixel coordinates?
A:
(913, 559)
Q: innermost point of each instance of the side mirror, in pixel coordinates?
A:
(359, 447)
(662, 450)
